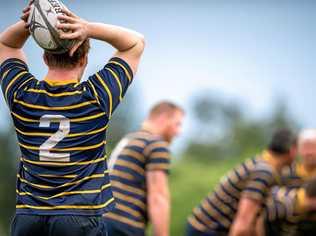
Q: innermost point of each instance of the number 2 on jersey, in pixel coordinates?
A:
(45, 153)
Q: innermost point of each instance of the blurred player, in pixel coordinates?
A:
(301, 171)
(289, 204)
(295, 177)
(139, 169)
(233, 206)
(63, 185)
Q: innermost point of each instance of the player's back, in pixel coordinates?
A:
(61, 129)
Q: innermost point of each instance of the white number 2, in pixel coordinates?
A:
(63, 131)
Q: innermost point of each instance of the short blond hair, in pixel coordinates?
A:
(64, 60)
(164, 107)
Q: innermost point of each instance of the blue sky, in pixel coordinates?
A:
(248, 51)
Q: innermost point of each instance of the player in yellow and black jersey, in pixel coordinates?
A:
(139, 168)
(234, 204)
(293, 178)
(63, 185)
(292, 205)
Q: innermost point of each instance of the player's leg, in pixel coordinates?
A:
(28, 225)
(76, 225)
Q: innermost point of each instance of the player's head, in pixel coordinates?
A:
(168, 118)
(284, 144)
(65, 61)
(307, 147)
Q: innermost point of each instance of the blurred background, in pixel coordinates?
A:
(239, 68)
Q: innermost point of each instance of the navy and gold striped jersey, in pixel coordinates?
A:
(61, 130)
(135, 154)
(284, 203)
(293, 178)
(296, 175)
(284, 210)
(251, 179)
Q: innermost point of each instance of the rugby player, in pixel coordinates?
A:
(139, 168)
(63, 186)
(233, 206)
(291, 204)
(295, 177)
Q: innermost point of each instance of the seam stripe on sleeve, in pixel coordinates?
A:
(94, 91)
(117, 80)
(107, 91)
(129, 77)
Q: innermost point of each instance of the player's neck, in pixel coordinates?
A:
(274, 160)
(63, 75)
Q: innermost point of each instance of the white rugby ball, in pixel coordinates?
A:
(42, 25)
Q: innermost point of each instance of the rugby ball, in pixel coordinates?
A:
(42, 25)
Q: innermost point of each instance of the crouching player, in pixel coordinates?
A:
(294, 177)
(289, 204)
(237, 200)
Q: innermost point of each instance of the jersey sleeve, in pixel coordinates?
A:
(259, 184)
(158, 156)
(111, 83)
(14, 74)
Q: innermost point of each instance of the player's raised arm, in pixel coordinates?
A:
(130, 44)
(13, 39)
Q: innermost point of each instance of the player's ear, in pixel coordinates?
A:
(83, 61)
(45, 59)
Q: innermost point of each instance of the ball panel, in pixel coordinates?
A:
(43, 20)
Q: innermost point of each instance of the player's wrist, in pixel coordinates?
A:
(89, 29)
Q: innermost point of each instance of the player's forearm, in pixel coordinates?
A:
(159, 213)
(15, 36)
(120, 38)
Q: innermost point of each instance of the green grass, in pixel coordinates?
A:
(190, 182)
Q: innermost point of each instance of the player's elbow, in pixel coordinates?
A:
(140, 44)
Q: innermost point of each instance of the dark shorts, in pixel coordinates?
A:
(35, 225)
(273, 228)
(191, 231)
(119, 229)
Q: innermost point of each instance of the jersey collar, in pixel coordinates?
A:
(61, 82)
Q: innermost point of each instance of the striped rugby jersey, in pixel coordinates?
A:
(284, 210)
(295, 175)
(61, 130)
(294, 178)
(135, 154)
(251, 179)
(284, 203)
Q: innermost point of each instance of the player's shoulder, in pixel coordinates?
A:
(146, 136)
(13, 62)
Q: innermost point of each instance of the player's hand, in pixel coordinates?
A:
(26, 13)
(73, 28)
